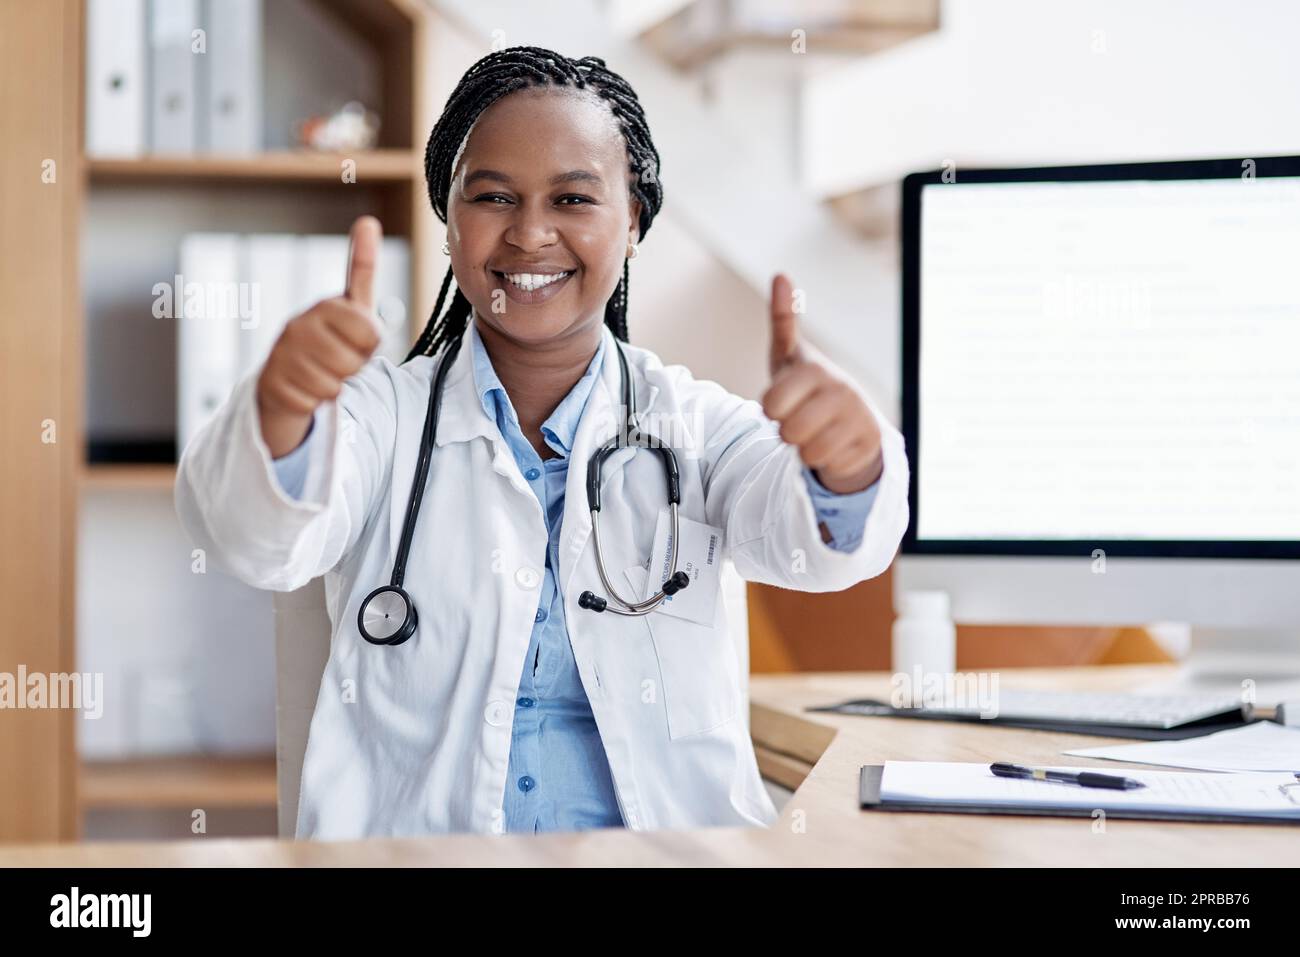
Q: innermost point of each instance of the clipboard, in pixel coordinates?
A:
(869, 778)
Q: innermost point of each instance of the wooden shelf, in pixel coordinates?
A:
(705, 30)
(128, 476)
(373, 166)
(178, 782)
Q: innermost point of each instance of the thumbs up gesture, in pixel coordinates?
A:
(819, 411)
(321, 348)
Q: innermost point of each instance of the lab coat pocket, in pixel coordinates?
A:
(699, 673)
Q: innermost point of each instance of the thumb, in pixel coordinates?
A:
(363, 257)
(785, 325)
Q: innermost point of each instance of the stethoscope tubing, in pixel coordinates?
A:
(427, 441)
(394, 593)
(638, 607)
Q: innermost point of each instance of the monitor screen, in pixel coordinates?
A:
(1106, 360)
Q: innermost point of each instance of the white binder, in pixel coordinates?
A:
(326, 275)
(208, 311)
(115, 78)
(231, 117)
(393, 297)
(273, 269)
(325, 269)
(172, 75)
(237, 293)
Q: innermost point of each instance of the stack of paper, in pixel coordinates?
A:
(1262, 746)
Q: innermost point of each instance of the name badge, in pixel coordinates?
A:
(699, 554)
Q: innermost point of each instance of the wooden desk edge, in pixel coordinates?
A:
(815, 753)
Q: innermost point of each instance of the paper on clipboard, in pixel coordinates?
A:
(1272, 796)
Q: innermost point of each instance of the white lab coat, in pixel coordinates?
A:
(415, 739)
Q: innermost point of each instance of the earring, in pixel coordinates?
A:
(632, 252)
(446, 249)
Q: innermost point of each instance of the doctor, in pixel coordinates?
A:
(512, 701)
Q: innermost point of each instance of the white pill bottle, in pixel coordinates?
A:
(924, 642)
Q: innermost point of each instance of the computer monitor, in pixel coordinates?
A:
(1101, 392)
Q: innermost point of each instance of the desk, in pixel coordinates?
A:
(821, 825)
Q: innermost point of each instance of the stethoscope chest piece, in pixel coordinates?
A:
(387, 616)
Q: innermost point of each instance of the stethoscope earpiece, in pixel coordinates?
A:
(588, 599)
(675, 584)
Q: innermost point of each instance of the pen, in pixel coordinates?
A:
(1086, 779)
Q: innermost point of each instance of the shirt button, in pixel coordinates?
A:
(540, 616)
(525, 702)
(495, 713)
(527, 577)
(526, 784)
(830, 511)
(532, 474)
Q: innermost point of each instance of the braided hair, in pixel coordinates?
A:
(491, 78)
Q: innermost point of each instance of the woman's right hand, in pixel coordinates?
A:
(319, 349)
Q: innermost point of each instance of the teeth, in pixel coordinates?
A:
(530, 281)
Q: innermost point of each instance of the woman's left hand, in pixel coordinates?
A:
(819, 411)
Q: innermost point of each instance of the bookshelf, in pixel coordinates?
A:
(149, 201)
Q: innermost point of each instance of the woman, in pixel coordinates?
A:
(509, 701)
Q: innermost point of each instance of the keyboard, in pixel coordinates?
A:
(1123, 710)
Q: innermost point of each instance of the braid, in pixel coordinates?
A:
(497, 75)
(616, 308)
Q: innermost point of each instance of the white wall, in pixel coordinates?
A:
(1027, 82)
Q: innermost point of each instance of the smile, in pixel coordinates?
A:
(532, 287)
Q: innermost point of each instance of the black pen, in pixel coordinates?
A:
(1085, 779)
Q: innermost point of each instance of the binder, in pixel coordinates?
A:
(208, 332)
(172, 75)
(231, 113)
(325, 275)
(248, 287)
(392, 294)
(325, 269)
(272, 265)
(115, 77)
(869, 799)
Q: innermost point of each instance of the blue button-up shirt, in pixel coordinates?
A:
(559, 777)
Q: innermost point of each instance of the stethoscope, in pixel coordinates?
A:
(387, 615)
